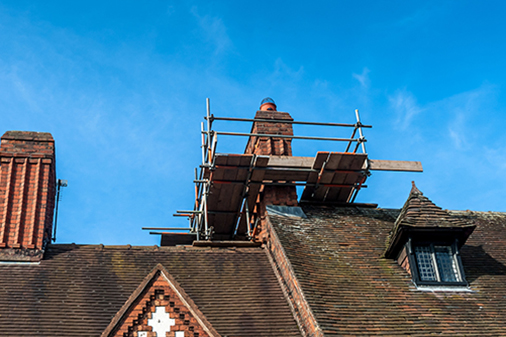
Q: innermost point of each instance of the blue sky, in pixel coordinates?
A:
(122, 85)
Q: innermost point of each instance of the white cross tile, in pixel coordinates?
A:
(160, 321)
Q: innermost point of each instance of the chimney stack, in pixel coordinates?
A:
(272, 146)
(27, 194)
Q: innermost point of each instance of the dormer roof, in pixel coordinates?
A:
(420, 215)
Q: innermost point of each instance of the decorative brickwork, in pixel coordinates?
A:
(158, 306)
(27, 194)
(269, 146)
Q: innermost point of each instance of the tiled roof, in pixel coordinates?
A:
(77, 290)
(420, 211)
(420, 214)
(337, 257)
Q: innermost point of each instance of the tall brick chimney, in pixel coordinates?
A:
(27, 194)
(272, 146)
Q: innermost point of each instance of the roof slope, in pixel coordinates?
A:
(336, 255)
(420, 211)
(77, 290)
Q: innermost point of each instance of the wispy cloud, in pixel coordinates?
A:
(284, 71)
(363, 78)
(414, 19)
(466, 115)
(214, 31)
(405, 106)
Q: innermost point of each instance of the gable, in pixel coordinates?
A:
(159, 307)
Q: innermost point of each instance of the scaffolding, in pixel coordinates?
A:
(228, 186)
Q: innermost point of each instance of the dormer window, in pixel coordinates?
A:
(436, 264)
(426, 240)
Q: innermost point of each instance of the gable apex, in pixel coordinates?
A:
(420, 211)
(420, 215)
(159, 294)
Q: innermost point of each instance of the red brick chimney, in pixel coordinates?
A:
(27, 194)
(273, 146)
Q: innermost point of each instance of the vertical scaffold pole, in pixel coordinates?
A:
(203, 143)
(206, 227)
(208, 115)
(209, 161)
(362, 139)
(248, 224)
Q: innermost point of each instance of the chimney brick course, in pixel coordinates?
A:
(27, 194)
(271, 146)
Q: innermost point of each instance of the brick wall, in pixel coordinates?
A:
(27, 193)
(158, 294)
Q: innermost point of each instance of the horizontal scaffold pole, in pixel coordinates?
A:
(285, 121)
(164, 229)
(161, 233)
(287, 136)
(267, 183)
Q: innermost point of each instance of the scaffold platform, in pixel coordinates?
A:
(228, 186)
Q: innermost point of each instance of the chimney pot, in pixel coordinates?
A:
(268, 104)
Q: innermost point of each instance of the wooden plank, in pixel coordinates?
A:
(349, 162)
(334, 192)
(230, 172)
(222, 223)
(228, 193)
(218, 174)
(235, 200)
(258, 175)
(354, 162)
(341, 194)
(213, 198)
(220, 159)
(320, 158)
(394, 165)
(327, 176)
(245, 162)
(234, 159)
(284, 175)
(334, 161)
(289, 161)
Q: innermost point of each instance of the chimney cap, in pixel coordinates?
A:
(268, 103)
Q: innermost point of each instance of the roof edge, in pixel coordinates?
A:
(273, 238)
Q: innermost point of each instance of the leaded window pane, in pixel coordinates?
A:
(426, 268)
(446, 264)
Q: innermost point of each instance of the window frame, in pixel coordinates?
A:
(413, 262)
